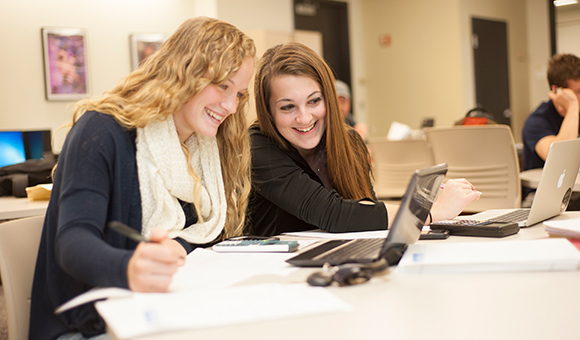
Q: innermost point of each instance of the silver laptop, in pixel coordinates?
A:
(553, 192)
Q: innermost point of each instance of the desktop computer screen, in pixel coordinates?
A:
(18, 146)
(37, 144)
(11, 148)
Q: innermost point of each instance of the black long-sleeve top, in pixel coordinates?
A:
(287, 195)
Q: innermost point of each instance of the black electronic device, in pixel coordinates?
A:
(484, 229)
(406, 228)
(434, 234)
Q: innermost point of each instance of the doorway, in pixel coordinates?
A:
(490, 59)
(331, 19)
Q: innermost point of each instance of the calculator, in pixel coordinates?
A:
(268, 246)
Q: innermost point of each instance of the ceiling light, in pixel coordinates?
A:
(564, 2)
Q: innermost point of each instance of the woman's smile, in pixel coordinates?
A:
(308, 129)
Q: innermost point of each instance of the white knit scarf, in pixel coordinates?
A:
(163, 178)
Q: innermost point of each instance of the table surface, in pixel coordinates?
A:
(531, 178)
(11, 207)
(518, 305)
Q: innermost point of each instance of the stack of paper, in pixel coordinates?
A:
(153, 313)
(501, 256)
(206, 282)
(563, 228)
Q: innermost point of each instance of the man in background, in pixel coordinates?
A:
(556, 119)
(344, 102)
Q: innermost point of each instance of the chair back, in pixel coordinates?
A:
(486, 156)
(19, 242)
(394, 163)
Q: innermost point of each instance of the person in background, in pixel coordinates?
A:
(149, 154)
(308, 170)
(345, 104)
(554, 120)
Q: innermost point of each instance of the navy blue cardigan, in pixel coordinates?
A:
(95, 182)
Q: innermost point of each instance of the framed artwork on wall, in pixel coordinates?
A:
(66, 71)
(143, 45)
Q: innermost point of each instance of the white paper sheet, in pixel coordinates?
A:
(94, 294)
(398, 131)
(208, 269)
(566, 228)
(204, 269)
(152, 313)
(473, 257)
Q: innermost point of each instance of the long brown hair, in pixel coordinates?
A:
(171, 77)
(346, 154)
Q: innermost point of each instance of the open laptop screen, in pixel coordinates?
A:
(11, 148)
(406, 228)
(415, 207)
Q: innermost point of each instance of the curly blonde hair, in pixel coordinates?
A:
(170, 78)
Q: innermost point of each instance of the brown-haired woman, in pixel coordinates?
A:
(151, 153)
(309, 171)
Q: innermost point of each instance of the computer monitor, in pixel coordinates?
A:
(37, 144)
(18, 146)
(12, 149)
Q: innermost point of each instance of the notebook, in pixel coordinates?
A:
(553, 192)
(406, 228)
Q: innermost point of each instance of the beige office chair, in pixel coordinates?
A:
(19, 241)
(394, 163)
(486, 156)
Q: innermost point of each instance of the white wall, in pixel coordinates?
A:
(568, 29)
(419, 74)
(250, 15)
(426, 72)
(428, 69)
(538, 51)
(278, 15)
(108, 23)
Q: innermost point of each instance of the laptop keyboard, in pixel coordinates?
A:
(357, 249)
(461, 222)
(517, 215)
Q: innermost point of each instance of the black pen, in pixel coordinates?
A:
(125, 230)
(131, 233)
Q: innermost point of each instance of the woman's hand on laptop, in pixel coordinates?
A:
(455, 195)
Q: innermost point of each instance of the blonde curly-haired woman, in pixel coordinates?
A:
(166, 152)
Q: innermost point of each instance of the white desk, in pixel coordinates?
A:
(531, 178)
(11, 207)
(536, 305)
